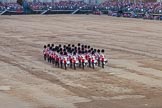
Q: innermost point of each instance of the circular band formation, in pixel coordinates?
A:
(74, 56)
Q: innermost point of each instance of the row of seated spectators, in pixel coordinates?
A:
(126, 9)
(114, 8)
(139, 7)
(62, 5)
(10, 6)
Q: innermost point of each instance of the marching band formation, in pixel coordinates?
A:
(74, 56)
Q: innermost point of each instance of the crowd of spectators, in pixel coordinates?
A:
(113, 8)
(62, 5)
(10, 7)
(132, 9)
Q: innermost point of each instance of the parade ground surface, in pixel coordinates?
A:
(131, 79)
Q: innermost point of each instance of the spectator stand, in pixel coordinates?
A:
(10, 8)
(146, 10)
(66, 7)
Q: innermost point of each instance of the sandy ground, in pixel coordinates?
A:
(131, 79)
